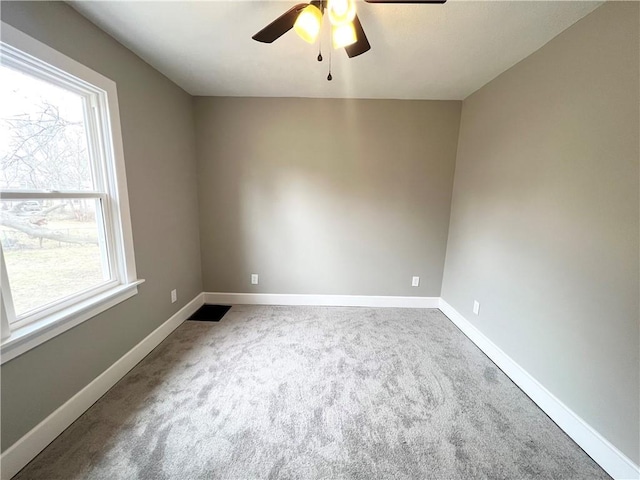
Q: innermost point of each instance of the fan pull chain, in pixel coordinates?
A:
(320, 36)
(329, 77)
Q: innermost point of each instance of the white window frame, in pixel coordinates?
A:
(22, 52)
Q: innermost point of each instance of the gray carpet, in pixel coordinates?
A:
(315, 393)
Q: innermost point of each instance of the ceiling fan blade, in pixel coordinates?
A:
(362, 44)
(280, 25)
(405, 1)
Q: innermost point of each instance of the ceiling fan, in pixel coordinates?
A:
(306, 20)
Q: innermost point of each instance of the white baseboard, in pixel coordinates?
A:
(612, 460)
(24, 450)
(321, 300)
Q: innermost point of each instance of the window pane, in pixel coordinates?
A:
(52, 249)
(43, 140)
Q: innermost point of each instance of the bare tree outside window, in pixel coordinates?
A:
(51, 246)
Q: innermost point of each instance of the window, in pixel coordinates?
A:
(66, 249)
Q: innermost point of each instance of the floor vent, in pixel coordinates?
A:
(210, 313)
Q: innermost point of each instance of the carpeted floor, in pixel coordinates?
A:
(315, 393)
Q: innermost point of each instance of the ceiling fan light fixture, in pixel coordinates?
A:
(308, 23)
(341, 11)
(344, 35)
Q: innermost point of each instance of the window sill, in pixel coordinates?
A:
(25, 338)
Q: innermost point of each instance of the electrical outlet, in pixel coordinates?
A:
(415, 282)
(174, 296)
(476, 307)
(254, 279)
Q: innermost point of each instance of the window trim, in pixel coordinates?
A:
(21, 338)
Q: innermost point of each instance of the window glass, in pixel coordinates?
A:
(52, 249)
(43, 139)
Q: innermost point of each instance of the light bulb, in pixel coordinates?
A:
(344, 35)
(340, 7)
(341, 11)
(308, 23)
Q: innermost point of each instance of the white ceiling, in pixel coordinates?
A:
(418, 51)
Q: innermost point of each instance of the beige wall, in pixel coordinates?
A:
(544, 223)
(325, 196)
(157, 129)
